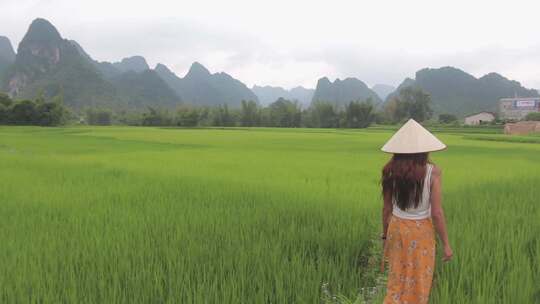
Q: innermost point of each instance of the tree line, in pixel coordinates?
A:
(33, 112)
(281, 113)
(409, 103)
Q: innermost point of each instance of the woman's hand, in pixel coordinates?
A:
(383, 239)
(448, 253)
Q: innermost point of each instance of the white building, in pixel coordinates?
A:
(518, 108)
(478, 118)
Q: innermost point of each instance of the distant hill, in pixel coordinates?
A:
(135, 83)
(341, 92)
(200, 87)
(106, 69)
(133, 64)
(405, 83)
(7, 55)
(269, 94)
(46, 63)
(457, 92)
(303, 95)
(145, 88)
(169, 77)
(109, 70)
(383, 90)
(50, 65)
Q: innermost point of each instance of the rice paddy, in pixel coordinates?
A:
(149, 215)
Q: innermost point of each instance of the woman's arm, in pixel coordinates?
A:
(437, 213)
(387, 212)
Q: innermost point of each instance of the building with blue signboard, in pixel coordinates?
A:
(518, 108)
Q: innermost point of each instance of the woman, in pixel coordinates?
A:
(411, 187)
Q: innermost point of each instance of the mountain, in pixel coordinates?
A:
(106, 69)
(169, 77)
(48, 64)
(134, 63)
(145, 88)
(341, 92)
(303, 95)
(7, 55)
(269, 94)
(457, 92)
(200, 87)
(135, 83)
(408, 82)
(383, 90)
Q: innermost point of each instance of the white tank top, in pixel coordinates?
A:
(423, 210)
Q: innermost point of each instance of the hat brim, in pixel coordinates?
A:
(413, 138)
(413, 152)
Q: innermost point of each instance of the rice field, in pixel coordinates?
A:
(149, 215)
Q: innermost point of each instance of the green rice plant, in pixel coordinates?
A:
(530, 139)
(252, 215)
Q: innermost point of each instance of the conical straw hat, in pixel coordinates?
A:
(413, 138)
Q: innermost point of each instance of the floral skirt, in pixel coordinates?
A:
(410, 253)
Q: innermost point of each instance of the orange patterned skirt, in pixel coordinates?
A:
(410, 252)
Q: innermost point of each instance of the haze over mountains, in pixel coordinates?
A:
(200, 87)
(341, 92)
(455, 91)
(48, 64)
(383, 90)
(7, 55)
(269, 94)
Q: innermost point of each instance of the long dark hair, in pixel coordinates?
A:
(403, 179)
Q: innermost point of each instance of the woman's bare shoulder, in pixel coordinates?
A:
(436, 170)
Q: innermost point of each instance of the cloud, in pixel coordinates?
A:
(289, 43)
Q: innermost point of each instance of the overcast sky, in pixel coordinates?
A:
(289, 43)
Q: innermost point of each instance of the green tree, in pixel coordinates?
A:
(322, 115)
(390, 111)
(33, 112)
(4, 114)
(99, 116)
(380, 117)
(129, 117)
(5, 100)
(447, 118)
(155, 117)
(533, 116)
(221, 116)
(359, 114)
(411, 102)
(249, 115)
(5, 104)
(284, 113)
(205, 116)
(52, 113)
(187, 116)
(23, 112)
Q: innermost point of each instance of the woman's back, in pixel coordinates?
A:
(423, 210)
(411, 188)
